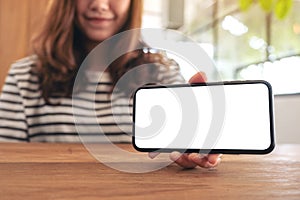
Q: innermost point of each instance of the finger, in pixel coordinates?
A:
(152, 155)
(205, 161)
(182, 160)
(213, 158)
(199, 77)
(200, 160)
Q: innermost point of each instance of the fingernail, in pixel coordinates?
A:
(175, 155)
(153, 154)
(216, 163)
(202, 155)
(209, 165)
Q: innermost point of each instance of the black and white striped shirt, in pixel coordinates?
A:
(24, 115)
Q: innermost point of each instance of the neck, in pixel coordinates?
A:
(97, 57)
(90, 45)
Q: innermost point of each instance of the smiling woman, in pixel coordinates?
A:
(71, 31)
(36, 103)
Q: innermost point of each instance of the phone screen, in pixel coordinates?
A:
(227, 117)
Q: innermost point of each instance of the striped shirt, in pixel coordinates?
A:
(93, 115)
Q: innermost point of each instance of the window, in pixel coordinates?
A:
(244, 45)
(250, 44)
(152, 17)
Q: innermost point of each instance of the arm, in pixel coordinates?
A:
(13, 126)
(192, 160)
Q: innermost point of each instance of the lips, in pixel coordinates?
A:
(99, 21)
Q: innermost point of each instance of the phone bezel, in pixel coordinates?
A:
(211, 151)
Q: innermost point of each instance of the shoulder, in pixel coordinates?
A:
(24, 65)
(169, 71)
(23, 73)
(168, 64)
(24, 69)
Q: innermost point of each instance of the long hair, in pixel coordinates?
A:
(58, 52)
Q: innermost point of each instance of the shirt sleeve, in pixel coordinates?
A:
(13, 126)
(170, 74)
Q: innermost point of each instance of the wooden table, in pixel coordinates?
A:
(68, 171)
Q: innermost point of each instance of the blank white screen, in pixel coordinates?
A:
(245, 122)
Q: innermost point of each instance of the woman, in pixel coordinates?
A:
(36, 101)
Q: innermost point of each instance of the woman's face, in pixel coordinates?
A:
(101, 19)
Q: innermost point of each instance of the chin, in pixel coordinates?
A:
(99, 37)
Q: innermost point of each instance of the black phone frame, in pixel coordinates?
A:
(211, 151)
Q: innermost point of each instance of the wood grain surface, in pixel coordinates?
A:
(68, 171)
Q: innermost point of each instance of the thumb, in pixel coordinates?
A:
(199, 77)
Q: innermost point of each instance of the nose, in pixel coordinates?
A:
(99, 5)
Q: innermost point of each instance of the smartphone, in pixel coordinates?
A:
(234, 117)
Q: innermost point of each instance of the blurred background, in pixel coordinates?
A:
(247, 39)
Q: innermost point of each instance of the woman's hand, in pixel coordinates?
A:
(192, 160)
